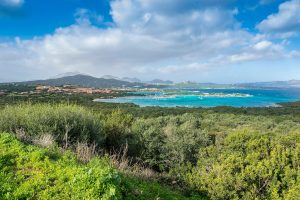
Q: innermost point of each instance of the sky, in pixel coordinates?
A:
(221, 41)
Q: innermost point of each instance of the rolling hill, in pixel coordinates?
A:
(85, 81)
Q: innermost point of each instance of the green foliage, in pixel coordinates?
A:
(223, 153)
(10, 87)
(249, 165)
(151, 190)
(170, 141)
(65, 122)
(28, 172)
(117, 128)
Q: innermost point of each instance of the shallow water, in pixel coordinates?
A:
(212, 98)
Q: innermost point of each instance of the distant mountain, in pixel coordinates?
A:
(160, 82)
(85, 81)
(272, 84)
(194, 85)
(67, 74)
(132, 80)
(108, 81)
(127, 79)
(136, 80)
(110, 77)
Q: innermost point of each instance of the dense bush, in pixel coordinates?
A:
(170, 141)
(229, 154)
(28, 172)
(249, 165)
(67, 123)
(117, 128)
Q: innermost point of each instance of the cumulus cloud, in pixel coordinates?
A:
(261, 50)
(286, 22)
(87, 48)
(149, 37)
(85, 16)
(172, 17)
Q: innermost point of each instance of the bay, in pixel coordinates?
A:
(210, 97)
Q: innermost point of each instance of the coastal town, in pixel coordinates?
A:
(71, 89)
(41, 89)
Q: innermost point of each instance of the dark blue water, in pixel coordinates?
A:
(212, 98)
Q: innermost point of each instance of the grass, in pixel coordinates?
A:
(30, 172)
(63, 151)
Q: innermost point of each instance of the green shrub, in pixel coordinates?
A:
(249, 166)
(117, 129)
(67, 123)
(227, 154)
(152, 190)
(170, 141)
(28, 172)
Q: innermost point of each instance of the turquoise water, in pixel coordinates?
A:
(211, 98)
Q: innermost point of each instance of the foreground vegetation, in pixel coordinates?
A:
(249, 165)
(35, 173)
(30, 172)
(128, 152)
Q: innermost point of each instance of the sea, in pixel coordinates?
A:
(210, 97)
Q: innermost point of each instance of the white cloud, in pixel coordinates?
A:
(171, 19)
(260, 50)
(286, 22)
(263, 45)
(113, 51)
(149, 38)
(85, 16)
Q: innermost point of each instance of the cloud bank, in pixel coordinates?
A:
(286, 22)
(148, 38)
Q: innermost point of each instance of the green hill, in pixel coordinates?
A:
(85, 81)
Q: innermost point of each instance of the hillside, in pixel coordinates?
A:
(30, 172)
(159, 81)
(170, 153)
(85, 81)
(108, 81)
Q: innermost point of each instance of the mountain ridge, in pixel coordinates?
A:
(109, 81)
(83, 81)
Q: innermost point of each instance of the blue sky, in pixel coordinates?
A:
(37, 18)
(222, 41)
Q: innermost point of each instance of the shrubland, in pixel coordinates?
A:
(225, 153)
(67, 124)
(30, 172)
(249, 165)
